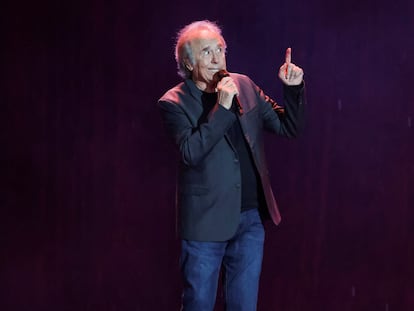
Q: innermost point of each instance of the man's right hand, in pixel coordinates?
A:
(226, 90)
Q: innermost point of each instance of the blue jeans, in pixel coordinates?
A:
(241, 259)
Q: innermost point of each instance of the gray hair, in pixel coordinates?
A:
(183, 49)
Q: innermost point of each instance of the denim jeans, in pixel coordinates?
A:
(241, 260)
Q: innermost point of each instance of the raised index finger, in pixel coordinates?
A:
(288, 55)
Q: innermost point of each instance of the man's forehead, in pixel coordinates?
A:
(205, 35)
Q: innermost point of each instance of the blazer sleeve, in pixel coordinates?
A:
(286, 120)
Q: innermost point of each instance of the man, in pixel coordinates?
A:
(217, 119)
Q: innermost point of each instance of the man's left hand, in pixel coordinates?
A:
(289, 73)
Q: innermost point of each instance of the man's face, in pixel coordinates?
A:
(209, 55)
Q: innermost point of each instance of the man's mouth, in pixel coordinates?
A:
(214, 69)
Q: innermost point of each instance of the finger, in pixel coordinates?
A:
(288, 57)
(288, 70)
(291, 73)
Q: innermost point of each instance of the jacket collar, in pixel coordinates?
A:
(194, 90)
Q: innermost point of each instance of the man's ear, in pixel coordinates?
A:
(188, 65)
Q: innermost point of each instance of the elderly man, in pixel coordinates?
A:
(216, 120)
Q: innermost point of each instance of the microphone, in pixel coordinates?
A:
(224, 73)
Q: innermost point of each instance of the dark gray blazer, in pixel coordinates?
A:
(209, 179)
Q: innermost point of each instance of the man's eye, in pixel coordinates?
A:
(207, 52)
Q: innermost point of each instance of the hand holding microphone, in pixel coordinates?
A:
(227, 91)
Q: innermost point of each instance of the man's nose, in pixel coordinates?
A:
(215, 57)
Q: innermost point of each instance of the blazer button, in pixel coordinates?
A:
(236, 160)
(238, 186)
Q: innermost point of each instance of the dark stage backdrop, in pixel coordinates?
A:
(87, 172)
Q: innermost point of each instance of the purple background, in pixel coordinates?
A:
(87, 175)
